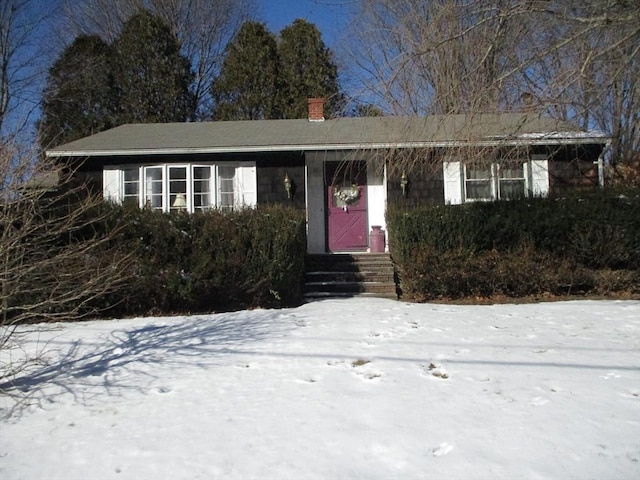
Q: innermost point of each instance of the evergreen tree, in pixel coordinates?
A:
(77, 100)
(247, 86)
(306, 70)
(151, 78)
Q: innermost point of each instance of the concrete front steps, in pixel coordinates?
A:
(349, 275)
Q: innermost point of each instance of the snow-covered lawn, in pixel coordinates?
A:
(335, 389)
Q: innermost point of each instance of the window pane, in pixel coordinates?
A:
(153, 186)
(478, 182)
(177, 188)
(178, 173)
(131, 189)
(479, 190)
(511, 183)
(226, 200)
(226, 177)
(512, 173)
(131, 185)
(154, 174)
(478, 173)
(201, 187)
(511, 189)
(131, 175)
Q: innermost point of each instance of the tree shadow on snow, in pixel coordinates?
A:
(87, 369)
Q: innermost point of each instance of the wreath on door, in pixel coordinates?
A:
(348, 195)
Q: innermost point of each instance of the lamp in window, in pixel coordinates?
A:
(287, 185)
(180, 202)
(404, 184)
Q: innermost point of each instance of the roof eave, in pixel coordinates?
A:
(542, 140)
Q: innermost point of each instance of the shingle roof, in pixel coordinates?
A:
(335, 134)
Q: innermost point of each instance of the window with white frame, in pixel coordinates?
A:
(478, 182)
(201, 187)
(177, 187)
(153, 187)
(131, 185)
(472, 182)
(494, 182)
(510, 181)
(226, 187)
(189, 187)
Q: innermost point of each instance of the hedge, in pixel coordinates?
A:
(214, 260)
(578, 244)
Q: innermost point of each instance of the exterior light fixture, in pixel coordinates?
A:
(180, 201)
(404, 183)
(287, 185)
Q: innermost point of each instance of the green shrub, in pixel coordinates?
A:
(521, 273)
(517, 248)
(214, 260)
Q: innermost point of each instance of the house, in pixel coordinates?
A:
(343, 171)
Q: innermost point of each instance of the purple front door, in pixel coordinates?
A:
(346, 206)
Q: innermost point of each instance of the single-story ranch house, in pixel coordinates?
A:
(341, 171)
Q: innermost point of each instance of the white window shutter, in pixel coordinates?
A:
(247, 185)
(111, 185)
(540, 178)
(452, 182)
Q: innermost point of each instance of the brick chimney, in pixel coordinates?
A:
(316, 109)
(528, 102)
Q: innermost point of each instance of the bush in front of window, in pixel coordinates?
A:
(570, 245)
(251, 257)
(213, 260)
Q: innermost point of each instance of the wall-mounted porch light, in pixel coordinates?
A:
(404, 184)
(287, 185)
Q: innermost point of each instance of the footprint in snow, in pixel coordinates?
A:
(367, 373)
(435, 370)
(441, 450)
(538, 401)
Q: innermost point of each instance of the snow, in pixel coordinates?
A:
(591, 134)
(335, 389)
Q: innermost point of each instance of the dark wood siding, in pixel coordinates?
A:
(425, 187)
(271, 171)
(572, 167)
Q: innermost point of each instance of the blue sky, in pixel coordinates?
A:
(330, 16)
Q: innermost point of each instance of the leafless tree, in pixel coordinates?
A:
(59, 255)
(436, 57)
(574, 60)
(22, 62)
(587, 68)
(203, 26)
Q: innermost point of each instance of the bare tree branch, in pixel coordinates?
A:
(574, 60)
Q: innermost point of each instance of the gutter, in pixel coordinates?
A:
(325, 147)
